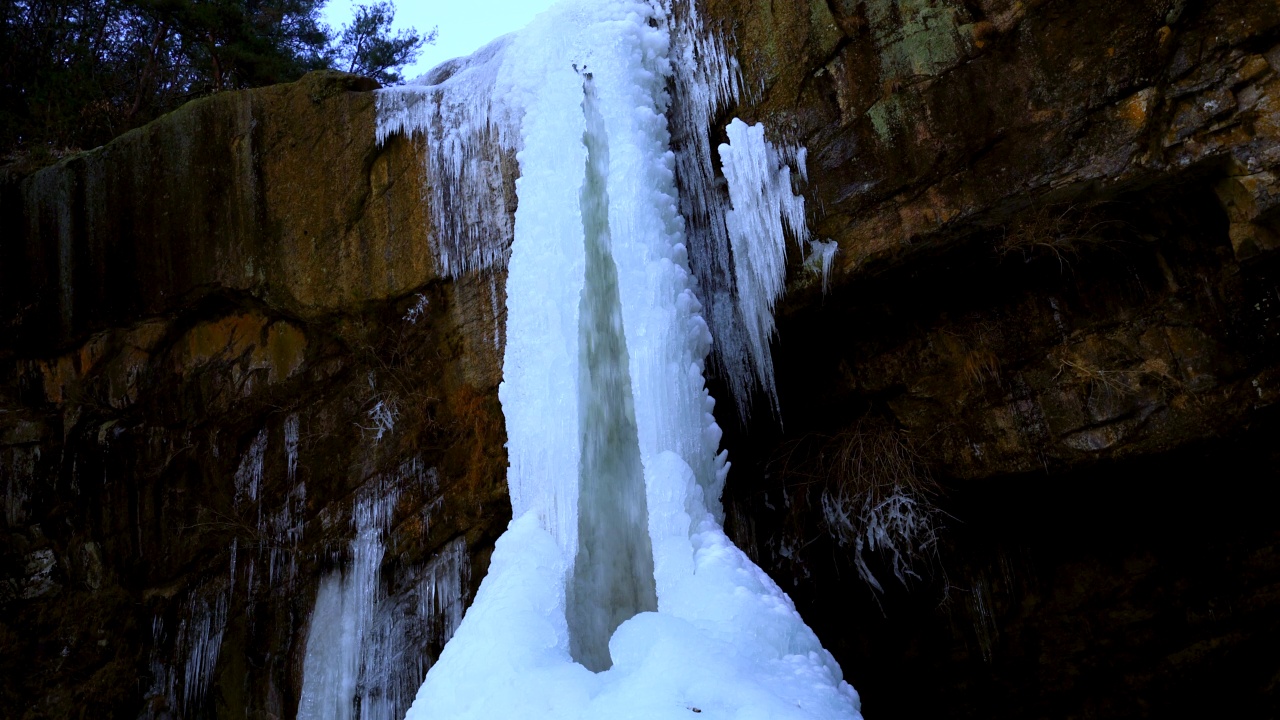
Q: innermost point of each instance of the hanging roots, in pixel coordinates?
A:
(877, 497)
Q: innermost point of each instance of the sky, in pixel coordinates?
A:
(465, 25)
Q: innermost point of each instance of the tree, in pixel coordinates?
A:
(368, 47)
(76, 73)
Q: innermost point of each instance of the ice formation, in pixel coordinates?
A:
(182, 665)
(761, 204)
(344, 616)
(456, 109)
(366, 650)
(469, 111)
(200, 632)
(615, 592)
(821, 254)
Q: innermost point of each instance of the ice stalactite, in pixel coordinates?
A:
(762, 210)
(821, 255)
(724, 639)
(708, 82)
(344, 616)
(163, 692)
(442, 588)
(200, 636)
(291, 446)
(182, 663)
(248, 480)
(367, 649)
(457, 111)
(738, 261)
(427, 609)
(277, 531)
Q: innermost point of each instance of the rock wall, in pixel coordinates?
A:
(223, 335)
(1052, 319)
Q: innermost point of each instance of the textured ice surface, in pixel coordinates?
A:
(182, 663)
(343, 617)
(366, 652)
(470, 113)
(821, 254)
(584, 78)
(761, 204)
(200, 634)
(458, 110)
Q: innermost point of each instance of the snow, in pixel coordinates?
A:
(614, 453)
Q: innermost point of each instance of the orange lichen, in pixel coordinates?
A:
(225, 338)
(1136, 109)
(284, 351)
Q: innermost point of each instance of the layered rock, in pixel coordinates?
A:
(224, 332)
(1054, 292)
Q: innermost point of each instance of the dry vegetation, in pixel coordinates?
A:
(875, 493)
(1058, 231)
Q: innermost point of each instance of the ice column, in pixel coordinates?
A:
(597, 193)
(613, 571)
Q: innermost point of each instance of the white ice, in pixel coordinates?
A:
(584, 81)
(761, 204)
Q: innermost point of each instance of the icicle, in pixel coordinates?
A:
(291, 445)
(457, 111)
(248, 479)
(739, 262)
(762, 204)
(163, 693)
(709, 81)
(443, 585)
(821, 255)
(364, 649)
(200, 636)
(344, 615)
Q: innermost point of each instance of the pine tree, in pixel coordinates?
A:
(75, 73)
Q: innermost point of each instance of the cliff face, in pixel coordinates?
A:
(225, 344)
(1054, 297)
(1053, 307)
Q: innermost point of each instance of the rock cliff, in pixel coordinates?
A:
(1052, 315)
(1054, 303)
(224, 333)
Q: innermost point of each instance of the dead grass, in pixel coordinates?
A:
(1119, 380)
(875, 493)
(1058, 231)
(975, 361)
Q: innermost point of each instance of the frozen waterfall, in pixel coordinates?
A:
(615, 592)
(613, 573)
